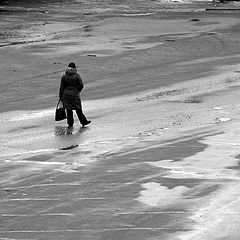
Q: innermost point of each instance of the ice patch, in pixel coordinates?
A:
(19, 116)
(156, 195)
(217, 108)
(217, 215)
(223, 119)
(136, 14)
(219, 219)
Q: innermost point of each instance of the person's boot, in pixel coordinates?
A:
(86, 123)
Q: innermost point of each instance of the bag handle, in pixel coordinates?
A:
(58, 102)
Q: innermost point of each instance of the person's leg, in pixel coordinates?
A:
(70, 120)
(82, 118)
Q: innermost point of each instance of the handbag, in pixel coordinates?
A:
(60, 113)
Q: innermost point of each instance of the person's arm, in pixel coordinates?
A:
(80, 84)
(61, 88)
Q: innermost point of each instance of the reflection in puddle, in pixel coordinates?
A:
(61, 131)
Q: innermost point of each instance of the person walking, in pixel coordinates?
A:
(70, 88)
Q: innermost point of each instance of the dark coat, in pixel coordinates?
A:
(70, 87)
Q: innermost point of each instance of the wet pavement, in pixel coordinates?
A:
(128, 176)
(106, 199)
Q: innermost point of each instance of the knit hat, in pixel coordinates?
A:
(72, 65)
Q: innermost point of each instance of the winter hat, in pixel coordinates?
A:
(72, 65)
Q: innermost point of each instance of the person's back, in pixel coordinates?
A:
(71, 80)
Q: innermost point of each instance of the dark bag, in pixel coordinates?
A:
(60, 113)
